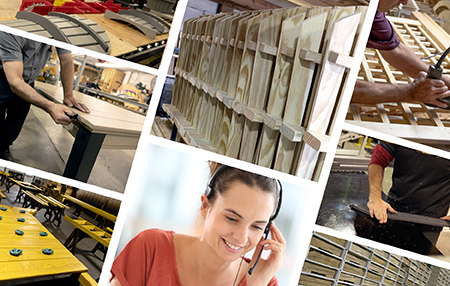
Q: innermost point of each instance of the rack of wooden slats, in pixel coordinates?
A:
(333, 261)
(262, 86)
(444, 277)
(417, 122)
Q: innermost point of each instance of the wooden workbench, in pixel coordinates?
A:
(107, 126)
(32, 262)
(93, 209)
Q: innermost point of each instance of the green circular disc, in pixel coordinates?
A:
(15, 252)
(21, 219)
(47, 251)
(3, 208)
(22, 211)
(19, 232)
(43, 233)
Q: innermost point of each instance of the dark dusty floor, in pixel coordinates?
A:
(83, 252)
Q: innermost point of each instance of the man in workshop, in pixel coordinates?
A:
(422, 89)
(420, 184)
(21, 62)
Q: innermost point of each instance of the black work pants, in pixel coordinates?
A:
(12, 118)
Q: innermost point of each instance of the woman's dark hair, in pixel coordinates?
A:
(223, 176)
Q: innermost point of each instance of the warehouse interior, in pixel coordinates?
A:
(126, 92)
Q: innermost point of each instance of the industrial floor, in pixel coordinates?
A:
(44, 145)
(92, 261)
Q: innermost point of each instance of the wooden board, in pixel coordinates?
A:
(327, 88)
(122, 126)
(225, 138)
(303, 71)
(237, 57)
(406, 217)
(93, 231)
(242, 88)
(290, 31)
(268, 38)
(212, 103)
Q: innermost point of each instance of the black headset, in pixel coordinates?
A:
(208, 193)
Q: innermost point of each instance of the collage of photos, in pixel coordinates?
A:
(227, 143)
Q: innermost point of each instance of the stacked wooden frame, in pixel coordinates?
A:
(334, 261)
(262, 86)
(416, 122)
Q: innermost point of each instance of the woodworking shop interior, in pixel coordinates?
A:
(348, 185)
(67, 215)
(118, 103)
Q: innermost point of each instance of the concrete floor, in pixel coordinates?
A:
(44, 145)
(93, 262)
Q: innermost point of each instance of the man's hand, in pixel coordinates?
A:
(447, 217)
(72, 102)
(377, 208)
(428, 90)
(58, 113)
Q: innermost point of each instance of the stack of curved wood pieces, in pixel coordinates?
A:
(416, 122)
(149, 24)
(248, 84)
(62, 27)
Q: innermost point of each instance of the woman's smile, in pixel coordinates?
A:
(231, 247)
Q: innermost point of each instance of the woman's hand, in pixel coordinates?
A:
(266, 268)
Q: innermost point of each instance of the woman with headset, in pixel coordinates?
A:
(238, 208)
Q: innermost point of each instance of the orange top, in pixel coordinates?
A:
(149, 259)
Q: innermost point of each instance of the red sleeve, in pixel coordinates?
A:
(380, 157)
(130, 265)
(273, 281)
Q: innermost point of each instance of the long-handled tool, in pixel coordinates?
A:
(435, 72)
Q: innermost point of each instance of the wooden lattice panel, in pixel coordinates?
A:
(334, 261)
(417, 122)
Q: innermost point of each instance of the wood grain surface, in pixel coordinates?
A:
(32, 262)
(104, 118)
(340, 41)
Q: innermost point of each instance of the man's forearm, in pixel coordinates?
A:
(405, 60)
(67, 74)
(368, 92)
(375, 177)
(26, 92)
